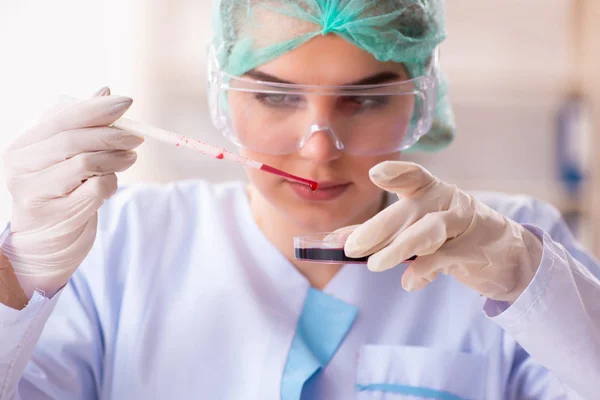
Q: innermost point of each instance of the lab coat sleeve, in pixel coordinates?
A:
(556, 320)
(51, 349)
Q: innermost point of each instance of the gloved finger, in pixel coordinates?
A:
(444, 256)
(103, 91)
(427, 235)
(68, 144)
(419, 193)
(59, 104)
(82, 203)
(62, 214)
(31, 190)
(406, 179)
(341, 234)
(48, 241)
(422, 238)
(425, 269)
(94, 112)
(379, 231)
(422, 272)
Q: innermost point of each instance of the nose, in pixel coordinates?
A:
(321, 145)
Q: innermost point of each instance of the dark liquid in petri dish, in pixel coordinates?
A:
(331, 255)
(334, 255)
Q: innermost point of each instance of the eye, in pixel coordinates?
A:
(356, 104)
(279, 100)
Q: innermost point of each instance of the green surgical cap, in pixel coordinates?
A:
(250, 33)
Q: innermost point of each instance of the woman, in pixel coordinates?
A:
(191, 290)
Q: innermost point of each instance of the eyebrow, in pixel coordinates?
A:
(377, 79)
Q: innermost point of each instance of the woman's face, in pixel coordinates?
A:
(346, 195)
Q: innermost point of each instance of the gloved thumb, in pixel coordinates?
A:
(340, 235)
(63, 102)
(60, 104)
(400, 177)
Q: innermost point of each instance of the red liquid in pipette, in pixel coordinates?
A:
(313, 185)
(198, 144)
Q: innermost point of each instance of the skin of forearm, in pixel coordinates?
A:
(11, 293)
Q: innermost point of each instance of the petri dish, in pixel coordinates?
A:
(326, 248)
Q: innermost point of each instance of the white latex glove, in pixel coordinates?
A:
(451, 233)
(59, 173)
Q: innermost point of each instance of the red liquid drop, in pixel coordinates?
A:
(220, 156)
(313, 185)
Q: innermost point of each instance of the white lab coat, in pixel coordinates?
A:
(183, 297)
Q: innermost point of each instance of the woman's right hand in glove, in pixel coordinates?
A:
(59, 173)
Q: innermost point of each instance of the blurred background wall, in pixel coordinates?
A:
(524, 80)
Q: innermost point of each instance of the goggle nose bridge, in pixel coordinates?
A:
(315, 128)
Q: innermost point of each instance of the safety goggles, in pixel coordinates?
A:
(364, 120)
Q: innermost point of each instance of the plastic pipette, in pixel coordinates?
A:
(203, 148)
(199, 146)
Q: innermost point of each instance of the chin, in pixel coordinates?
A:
(312, 221)
(326, 216)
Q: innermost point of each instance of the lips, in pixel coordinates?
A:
(327, 191)
(330, 185)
